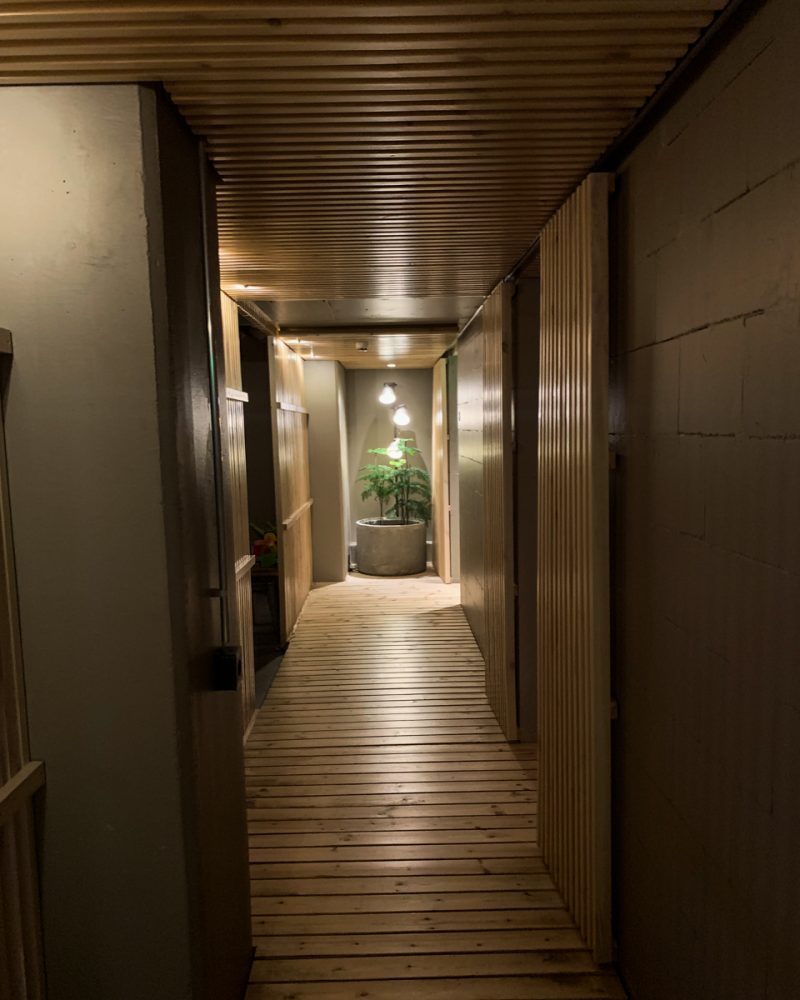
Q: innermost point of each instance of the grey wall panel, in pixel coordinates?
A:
(329, 484)
(88, 507)
(707, 422)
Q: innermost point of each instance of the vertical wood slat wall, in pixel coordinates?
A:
(21, 966)
(440, 474)
(573, 561)
(236, 498)
(292, 482)
(498, 562)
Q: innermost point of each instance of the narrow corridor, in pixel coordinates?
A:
(392, 827)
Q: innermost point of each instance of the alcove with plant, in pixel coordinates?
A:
(394, 543)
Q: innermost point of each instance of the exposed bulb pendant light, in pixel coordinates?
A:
(401, 418)
(387, 396)
(394, 450)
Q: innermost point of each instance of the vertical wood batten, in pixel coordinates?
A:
(573, 588)
(237, 504)
(293, 482)
(440, 474)
(498, 510)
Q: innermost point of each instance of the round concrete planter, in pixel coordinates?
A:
(387, 548)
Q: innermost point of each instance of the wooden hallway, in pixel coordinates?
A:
(392, 827)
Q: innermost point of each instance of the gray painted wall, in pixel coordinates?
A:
(369, 423)
(108, 424)
(470, 478)
(706, 415)
(86, 495)
(327, 437)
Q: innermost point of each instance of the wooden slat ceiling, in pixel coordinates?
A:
(374, 149)
(365, 347)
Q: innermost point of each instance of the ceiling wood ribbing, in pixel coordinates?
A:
(374, 149)
(365, 347)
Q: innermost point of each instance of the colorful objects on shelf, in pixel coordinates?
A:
(265, 546)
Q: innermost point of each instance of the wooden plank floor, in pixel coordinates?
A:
(392, 828)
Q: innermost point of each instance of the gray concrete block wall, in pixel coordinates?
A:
(706, 417)
(87, 501)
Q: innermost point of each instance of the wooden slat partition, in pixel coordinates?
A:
(440, 473)
(236, 495)
(292, 481)
(573, 561)
(21, 966)
(498, 560)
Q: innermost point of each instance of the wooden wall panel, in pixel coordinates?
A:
(486, 498)
(440, 478)
(573, 560)
(237, 505)
(292, 479)
(21, 969)
(230, 327)
(499, 510)
(470, 477)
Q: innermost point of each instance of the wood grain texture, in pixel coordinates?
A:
(403, 346)
(292, 481)
(573, 560)
(440, 473)
(471, 479)
(387, 861)
(21, 962)
(237, 507)
(498, 510)
(372, 149)
(486, 497)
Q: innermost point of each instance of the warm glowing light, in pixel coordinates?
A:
(402, 418)
(387, 396)
(391, 364)
(394, 450)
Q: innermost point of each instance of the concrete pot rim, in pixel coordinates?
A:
(387, 522)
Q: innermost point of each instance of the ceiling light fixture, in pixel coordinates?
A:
(401, 416)
(387, 396)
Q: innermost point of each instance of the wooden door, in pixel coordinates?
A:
(573, 561)
(440, 480)
(292, 481)
(193, 418)
(21, 972)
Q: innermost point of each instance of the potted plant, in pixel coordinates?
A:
(394, 543)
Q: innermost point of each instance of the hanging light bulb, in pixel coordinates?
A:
(387, 396)
(402, 418)
(394, 450)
